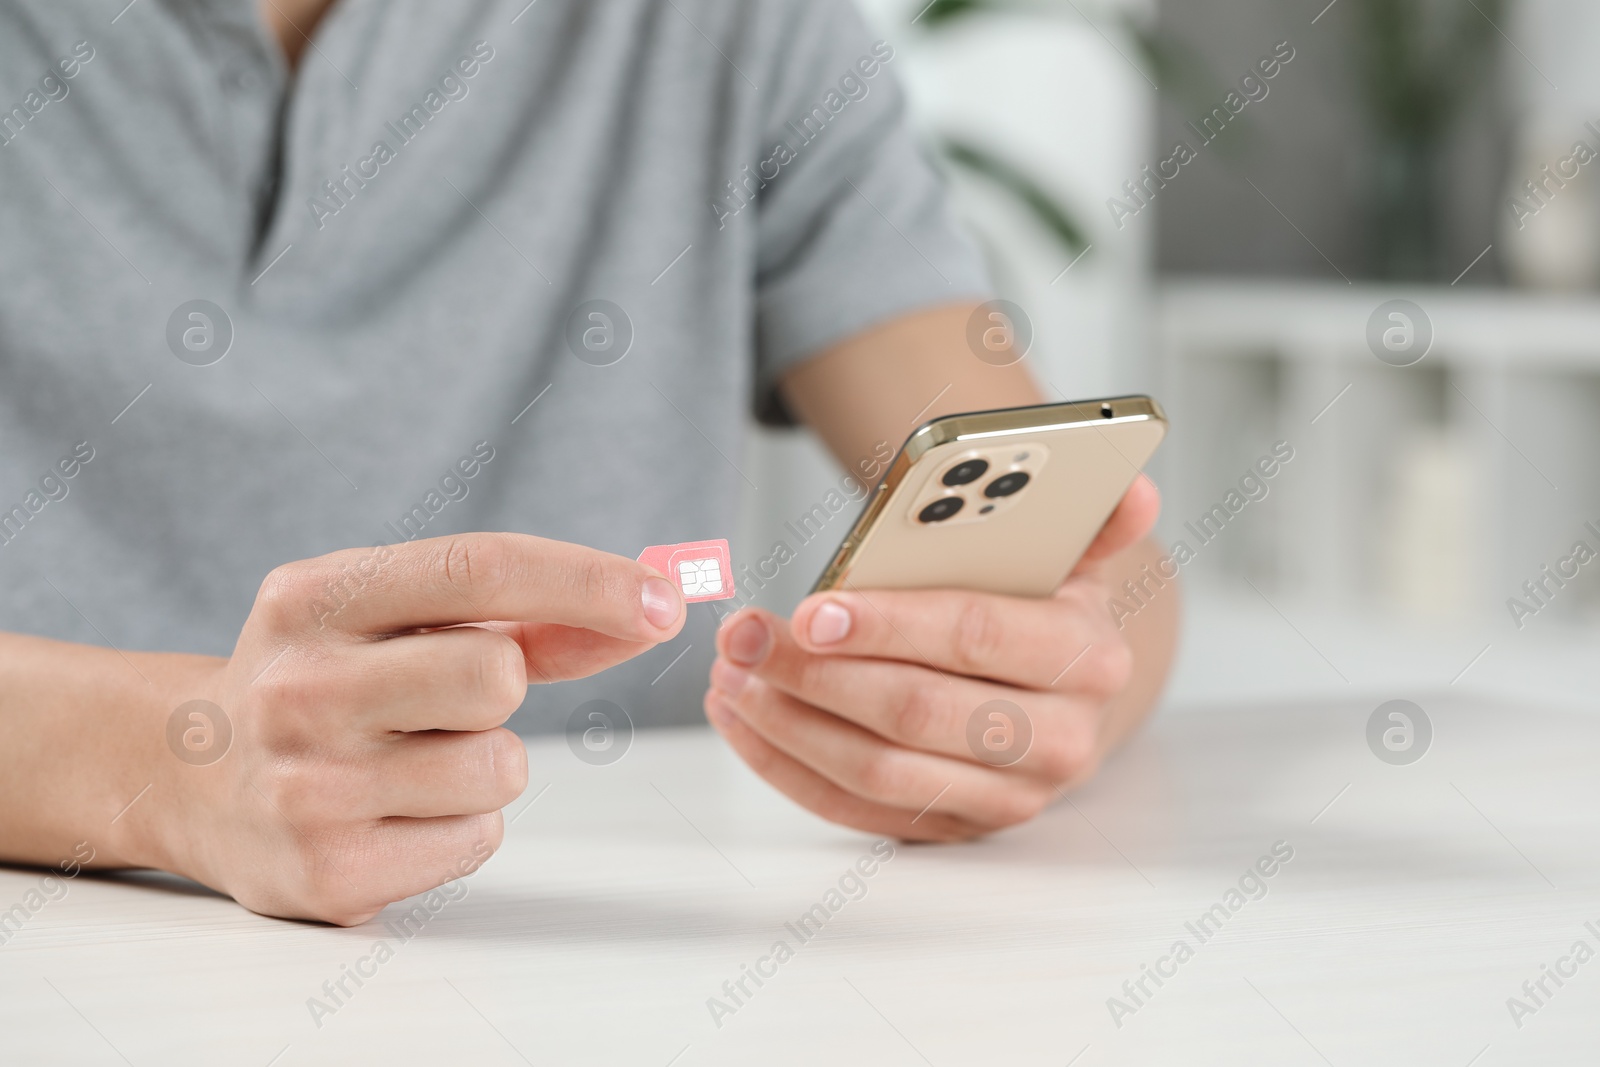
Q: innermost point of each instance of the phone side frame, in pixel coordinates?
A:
(976, 426)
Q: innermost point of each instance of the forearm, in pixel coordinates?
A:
(82, 734)
(883, 383)
(1151, 633)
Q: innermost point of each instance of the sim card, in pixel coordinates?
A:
(702, 569)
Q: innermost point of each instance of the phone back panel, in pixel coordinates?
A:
(1073, 464)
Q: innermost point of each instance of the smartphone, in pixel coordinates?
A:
(1000, 501)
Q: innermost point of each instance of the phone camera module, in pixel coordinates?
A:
(941, 509)
(965, 472)
(1006, 484)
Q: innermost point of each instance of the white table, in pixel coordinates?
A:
(1417, 902)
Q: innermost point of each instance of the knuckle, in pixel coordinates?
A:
(502, 674)
(287, 593)
(287, 709)
(811, 676)
(884, 778)
(471, 842)
(507, 761)
(1101, 667)
(487, 833)
(708, 700)
(593, 580)
(916, 714)
(295, 789)
(1066, 755)
(1099, 620)
(1116, 667)
(979, 636)
(473, 561)
(284, 689)
(761, 702)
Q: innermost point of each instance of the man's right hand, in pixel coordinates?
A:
(366, 696)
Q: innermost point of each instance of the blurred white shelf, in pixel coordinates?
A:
(1439, 487)
(1479, 327)
(1236, 648)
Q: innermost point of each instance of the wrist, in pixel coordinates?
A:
(160, 781)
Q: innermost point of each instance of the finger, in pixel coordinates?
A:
(1130, 523)
(425, 854)
(441, 773)
(415, 775)
(1023, 641)
(348, 880)
(866, 765)
(909, 707)
(463, 678)
(556, 653)
(475, 577)
(818, 795)
(901, 703)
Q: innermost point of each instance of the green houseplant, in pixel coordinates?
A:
(1165, 61)
(1418, 64)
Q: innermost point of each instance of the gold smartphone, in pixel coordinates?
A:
(1000, 501)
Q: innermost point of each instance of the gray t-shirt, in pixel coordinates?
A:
(248, 317)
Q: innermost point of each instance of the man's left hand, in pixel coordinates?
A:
(865, 707)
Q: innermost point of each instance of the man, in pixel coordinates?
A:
(349, 283)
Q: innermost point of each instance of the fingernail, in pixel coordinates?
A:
(727, 678)
(748, 641)
(829, 623)
(660, 602)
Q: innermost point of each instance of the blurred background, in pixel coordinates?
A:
(1219, 202)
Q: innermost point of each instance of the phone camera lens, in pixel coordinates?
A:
(941, 509)
(964, 472)
(1006, 484)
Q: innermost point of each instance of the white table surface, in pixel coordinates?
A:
(1415, 905)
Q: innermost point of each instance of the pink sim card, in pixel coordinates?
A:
(702, 569)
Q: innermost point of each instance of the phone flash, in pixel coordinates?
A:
(702, 569)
